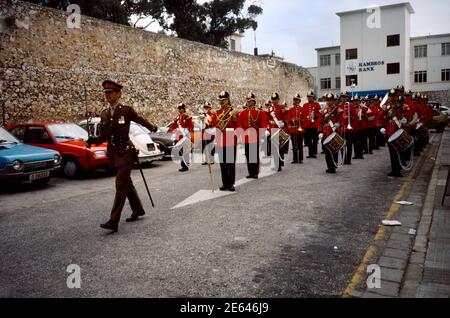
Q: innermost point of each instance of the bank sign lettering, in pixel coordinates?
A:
(360, 67)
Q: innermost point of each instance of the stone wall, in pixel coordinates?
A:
(442, 97)
(46, 66)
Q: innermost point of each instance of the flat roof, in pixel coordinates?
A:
(328, 48)
(402, 4)
(430, 36)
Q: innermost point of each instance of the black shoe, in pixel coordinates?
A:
(223, 188)
(331, 171)
(110, 226)
(204, 163)
(395, 174)
(370, 153)
(135, 216)
(249, 177)
(300, 162)
(279, 169)
(184, 169)
(294, 162)
(314, 157)
(231, 189)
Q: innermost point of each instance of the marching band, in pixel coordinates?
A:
(345, 126)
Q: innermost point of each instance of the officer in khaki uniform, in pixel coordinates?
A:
(114, 128)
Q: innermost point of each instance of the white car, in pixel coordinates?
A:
(148, 150)
(445, 110)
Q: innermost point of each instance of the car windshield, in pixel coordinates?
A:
(6, 137)
(136, 129)
(66, 132)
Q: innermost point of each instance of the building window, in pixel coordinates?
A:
(445, 48)
(325, 60)
(338, 59)
(420, 77)
(351, 78)
(338, 82)
(420, 51)
(446, 75)
(393, 68)
(393, 40)
(351, 54)
(325, 83)
(232, 44)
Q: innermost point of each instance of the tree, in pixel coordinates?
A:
(210, 23)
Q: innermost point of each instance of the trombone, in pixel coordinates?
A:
(349, 126)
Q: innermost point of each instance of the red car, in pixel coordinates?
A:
(69, 140)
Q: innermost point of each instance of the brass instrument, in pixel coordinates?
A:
(224, 119)
(297, 122)
(349, 126)
(329, 115)
(391, 116)
(311, 116)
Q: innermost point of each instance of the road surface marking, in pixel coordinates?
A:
(206, 195)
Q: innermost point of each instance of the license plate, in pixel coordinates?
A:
(151, 147)
(39, 175)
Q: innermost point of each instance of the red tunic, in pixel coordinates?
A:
(185, 122)
(312, 116)
(327, 130)
(280, 114)
(251, 121)
(226, 138)
(295, 116)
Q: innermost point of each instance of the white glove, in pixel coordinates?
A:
(282, 125)
(337, 125)
(267, 133)
(383, 131)
(404, 121)
(320, 136)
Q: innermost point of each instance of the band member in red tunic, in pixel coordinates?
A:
(208, 118)
(330, 120)
(268, 147)
(394, 118)
(277, 116)
(347, 121)
(358, 127)
(311, 124)
(295, 119)
(183, 126)
(226, 123)
(251, 120)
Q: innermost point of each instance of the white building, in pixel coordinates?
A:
(377, 53)
(235, 42)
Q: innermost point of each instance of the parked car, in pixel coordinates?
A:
(434, 105)
(149, 151)
(20, 162)
(445, 110)
(165, 140)
(69, 140)
(439, 122)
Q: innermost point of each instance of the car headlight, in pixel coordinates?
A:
(56, 159)
(100, 154)
(17, 165)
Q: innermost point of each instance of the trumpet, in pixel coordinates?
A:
(349, 126)
(311, 116)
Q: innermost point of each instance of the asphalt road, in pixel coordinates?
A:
(298, 233)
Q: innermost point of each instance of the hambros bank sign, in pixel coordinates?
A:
(359, 67)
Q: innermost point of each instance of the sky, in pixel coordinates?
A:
(293, 29)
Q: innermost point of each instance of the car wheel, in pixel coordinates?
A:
(70, 168)
(41, 182)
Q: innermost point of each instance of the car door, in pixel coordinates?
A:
(38, 136)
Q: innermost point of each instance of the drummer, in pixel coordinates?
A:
(330, 122)
(394, 117)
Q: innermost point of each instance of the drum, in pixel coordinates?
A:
(334, 143)
(421, 131)
(401, 140)
(280, 138)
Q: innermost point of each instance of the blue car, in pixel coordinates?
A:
(20, 162)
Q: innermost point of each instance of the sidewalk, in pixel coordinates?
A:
(414, 259)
